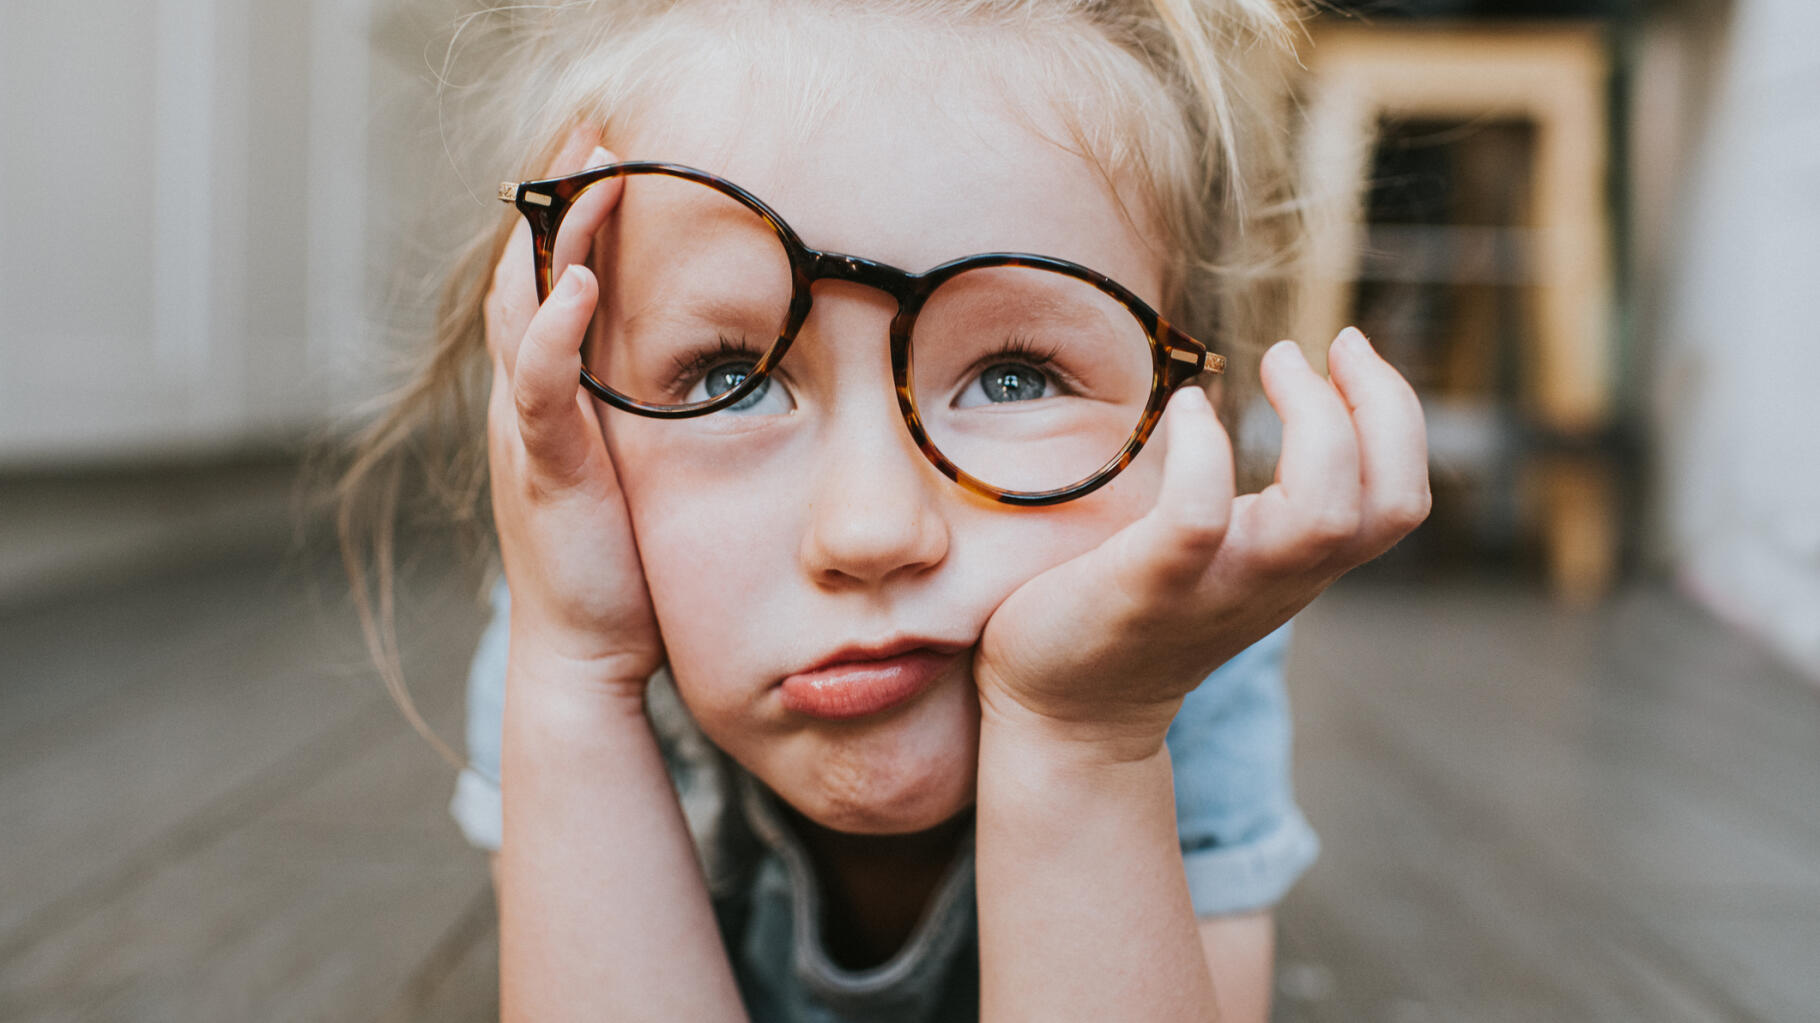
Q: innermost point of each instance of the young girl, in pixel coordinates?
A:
(891, 517)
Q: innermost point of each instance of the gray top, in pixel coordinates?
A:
(1244, 843)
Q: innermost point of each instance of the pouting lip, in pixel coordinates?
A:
(880, 651)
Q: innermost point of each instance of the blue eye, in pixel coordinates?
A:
(1010, 381)
(712, 372)
(724, 378)
(768, 398)
(1018, 370)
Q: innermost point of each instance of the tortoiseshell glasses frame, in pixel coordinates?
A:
(1176, 358)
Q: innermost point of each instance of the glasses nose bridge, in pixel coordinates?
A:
(905, 289)
(838, 266)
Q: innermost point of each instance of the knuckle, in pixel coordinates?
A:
(552, 482)
(530, 408)
(1330, 528)
(536, 483)
(1132, 597)
(1198, 535)
(1180, 554)
(1138, 581)
(1284, 559)
(1407, 511)
(538, 489)
(1166, 576)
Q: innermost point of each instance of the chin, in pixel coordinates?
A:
(890, 777)
(867, 808)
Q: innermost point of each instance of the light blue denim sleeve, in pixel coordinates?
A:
(475, 805)
(1244, 841)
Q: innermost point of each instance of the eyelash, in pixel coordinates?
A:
(1017, 348)
(1022, 348)
(690, 367)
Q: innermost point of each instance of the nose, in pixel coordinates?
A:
(873, 514)
(874, 500)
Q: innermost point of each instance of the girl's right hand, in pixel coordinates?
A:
(579, 599)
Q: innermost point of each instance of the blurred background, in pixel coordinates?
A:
(1562, 744)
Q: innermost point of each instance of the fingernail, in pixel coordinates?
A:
(1289, 345)
(569, 288)
(1354, 337)
(598, 158)
(1200, 399)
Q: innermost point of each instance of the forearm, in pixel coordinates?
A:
(1083, 903)
(604, 913)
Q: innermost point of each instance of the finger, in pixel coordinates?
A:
(575, 238)
(1318, 470)
(1393, 446)
(512, 298)
(502, 429)
(573, 156)
(1176, 540)
(545, 381)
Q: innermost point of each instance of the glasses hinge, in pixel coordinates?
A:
(1205, 362)
(510, 192)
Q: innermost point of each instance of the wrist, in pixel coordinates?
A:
(551, 656)
(1077, 740)
(550, 686)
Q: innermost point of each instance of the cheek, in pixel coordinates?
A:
(719, 546)
(703, 545)
(1001, 548)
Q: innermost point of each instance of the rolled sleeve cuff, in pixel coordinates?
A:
(475, 808)
(1254, 875)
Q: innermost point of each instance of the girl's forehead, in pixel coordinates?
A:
(909, 171)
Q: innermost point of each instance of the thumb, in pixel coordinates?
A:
(547, 375)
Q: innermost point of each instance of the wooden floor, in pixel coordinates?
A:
(209, 811)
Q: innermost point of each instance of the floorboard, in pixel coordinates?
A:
(209, 810)
(1523, 805)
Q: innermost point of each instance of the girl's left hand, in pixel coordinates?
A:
(1102, 649)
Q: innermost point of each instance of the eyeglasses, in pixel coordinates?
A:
(1026, 379)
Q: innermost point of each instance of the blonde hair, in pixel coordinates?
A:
(1182, 101)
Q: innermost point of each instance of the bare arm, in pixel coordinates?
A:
(1079, 863)
(1241, 953)
(603, 910)
(1083, 902)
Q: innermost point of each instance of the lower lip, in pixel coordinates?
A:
(858, 688)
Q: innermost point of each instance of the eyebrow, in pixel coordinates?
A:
(713, 307)
(1044, 307)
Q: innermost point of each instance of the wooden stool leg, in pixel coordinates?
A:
(1554, 78)
(1341, 132)
(1579, 519)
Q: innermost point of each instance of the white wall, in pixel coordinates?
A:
(1737, 325)
(183, 242)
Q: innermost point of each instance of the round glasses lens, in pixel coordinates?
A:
(1028, 380)
(695, 287)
